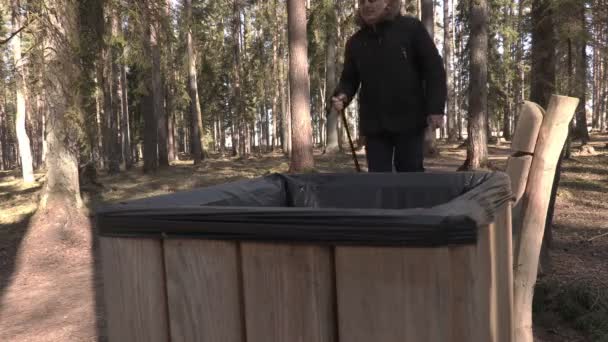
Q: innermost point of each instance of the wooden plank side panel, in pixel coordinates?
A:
(473, 290)
(504, 273)
(485, 285)
(393, 294)
(203, 291)
(134, 290)
(465, 316)
(289, 293)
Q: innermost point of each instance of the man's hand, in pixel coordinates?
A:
(435, 121)
(339, 101)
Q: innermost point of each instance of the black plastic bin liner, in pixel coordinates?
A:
(415, 209)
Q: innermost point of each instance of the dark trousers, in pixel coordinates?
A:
(405, 152)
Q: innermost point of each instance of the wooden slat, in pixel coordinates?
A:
(485, 285)
(473, 292)
(203, 291)
(504, 273)
(527, 128)
(393, 294)
(465, 317)
(289, 294)
(134, 290)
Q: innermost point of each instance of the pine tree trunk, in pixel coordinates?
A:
(158, 93)
(581, 77)
(518, 87)
(109, 117)
(299, 84)
(477, 148)
(98, 150)
(447, 56)
(195, 108)
(596, 70)
(221, 129)
(543, 53)
(169, 71)
(267, 128)
(604, 88)
(150, 153)
(125, 125)
(106, 106)
(236, 80)
(276, 84)
(61, 188)
(3, 140)
(25, 152)
(111, 100)
(332, 145)
(286, 120)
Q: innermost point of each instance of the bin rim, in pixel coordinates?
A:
(455, 222)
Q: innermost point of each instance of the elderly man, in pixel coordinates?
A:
(402, 81)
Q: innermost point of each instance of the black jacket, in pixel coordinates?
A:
(400, 74)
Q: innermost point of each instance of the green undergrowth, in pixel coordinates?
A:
(580, 305)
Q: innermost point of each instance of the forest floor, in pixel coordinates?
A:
(571, 301)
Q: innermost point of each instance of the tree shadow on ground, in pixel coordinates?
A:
(11, 236)
(586, 170)
(583, 185)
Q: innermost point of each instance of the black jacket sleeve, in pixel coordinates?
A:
(432, 70)
(349, 80)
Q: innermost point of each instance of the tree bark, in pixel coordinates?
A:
(543, 53)
(518, 86)
(158, 90)
(3, 140)
(195, 108)
(331, 78)
(124, 122)
(596, 67)
(150, 113)
(581, 76)
(236, 80)
(447, 55)
(170, 85)
(25, 152)
(286, 119)
(110, 82)
(105, 79)
(477, 147)
(428, 19)
(604, 88)
(276, 83)
(299, 85)
(63, 72)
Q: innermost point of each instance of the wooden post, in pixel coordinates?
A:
(522, 147)
(535, 202)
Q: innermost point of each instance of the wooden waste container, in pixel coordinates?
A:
(314, 258)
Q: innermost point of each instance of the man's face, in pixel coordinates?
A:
(372, 11)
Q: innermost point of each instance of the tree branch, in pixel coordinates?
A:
(6, 40)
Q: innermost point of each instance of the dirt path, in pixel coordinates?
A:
(61, 303)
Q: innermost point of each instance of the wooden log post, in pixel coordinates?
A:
(535, 203)
(522, 148)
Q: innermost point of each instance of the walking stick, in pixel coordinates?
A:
(350, 140)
